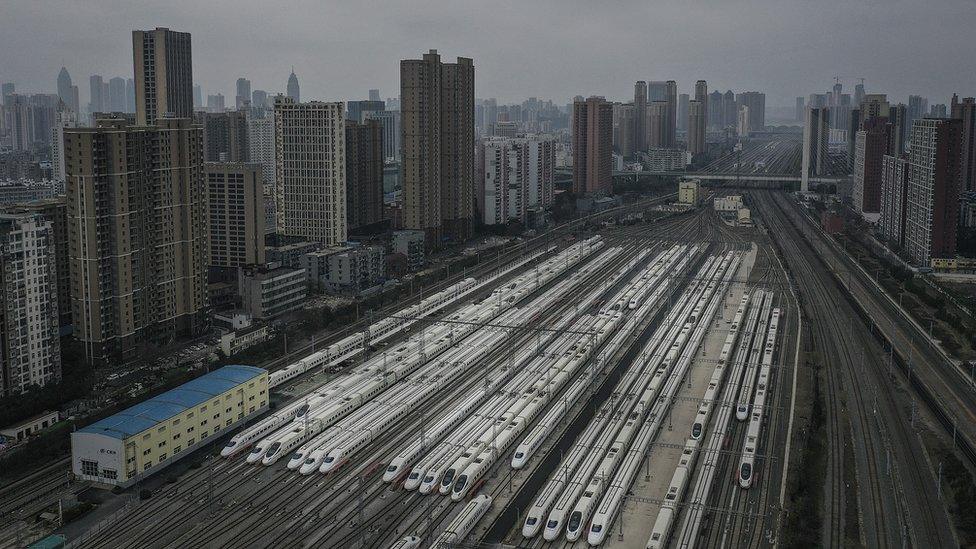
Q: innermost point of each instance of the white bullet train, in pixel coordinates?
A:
(751, 443)
(464, 522)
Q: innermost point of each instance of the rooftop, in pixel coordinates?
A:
(158, 409)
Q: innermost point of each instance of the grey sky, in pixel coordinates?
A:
(549, 49)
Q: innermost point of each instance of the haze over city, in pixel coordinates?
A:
(552, 49)
(481, 275)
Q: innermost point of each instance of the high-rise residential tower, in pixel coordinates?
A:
(965, 110)
(682, 112)
(756, 101)
(30, 353)
(696, 128)
(816, 135)
(235, 200)
(671, 98)
(640, 116)
(933, 190)
(137, 234)
(871, 145)
(592, 146)
(364, 173)
(163, 75)
(437, 124)
(894, 188)
(96, 101)
(224, 136)
(310, 179)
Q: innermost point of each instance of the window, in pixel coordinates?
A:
(110, 473)
(147, 451)
(162, 458)
(161, 444)
(89, 468)
(177, 450)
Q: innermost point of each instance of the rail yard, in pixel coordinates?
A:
(634, 385)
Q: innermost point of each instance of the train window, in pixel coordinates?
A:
(574, 520)
(552, 524)
(596, 528)
(531, 521)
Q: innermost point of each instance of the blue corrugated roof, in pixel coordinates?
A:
(160, 408)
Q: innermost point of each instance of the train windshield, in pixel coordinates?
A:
(391, 468)
(230, 444)
(531, 521)
(574, 521)
(459, 485)
(696, 430)
(518, 455)
(552, 524)
(302, 410)
(273, 449)
(329, 459)
(448, 477)
(596, 528)
(746, 471)
(257, 450)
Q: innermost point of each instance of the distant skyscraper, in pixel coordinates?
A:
(67, 92)
(437, 121)
(965, 110)
(390, 120)
(197, 97)
(236, 213)
(292, 89)
(640, 115)
(859, 93)
(261, 149)
(730, 110)
(657, 90)
(163, 65)
(116, 94)
(28, 324)
(243, 93)
(6, 89)
(683, 100)
(259, 99)
(355, 109)
(742, 122)
(716, 117)
(64, 119)
(816, 135)
(130, 95)
(756, 101)
(918, 108)
(374, 95)
(592, 146)
(894, 189)
(364, 173)
(657, 124)
(871, 145)
(801, 104)
(310, 183)
(138, 277)
(933, 190)
(224, 136)
(671, 97)
(96, 102)
(939, 110)
(898, 117)
(215, 103)
(696, 128)
(874, 105)
(624, 120)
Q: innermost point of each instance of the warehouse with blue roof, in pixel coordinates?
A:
(142, 440)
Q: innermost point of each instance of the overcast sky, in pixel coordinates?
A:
(549, 49)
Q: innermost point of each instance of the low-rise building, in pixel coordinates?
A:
(410, 244)
(290, 255)
(729, 203)
(665, 160)
(144, 439)
(267, 292)
(24, 429)
(356, 269)
(232, 343)
(688, 191)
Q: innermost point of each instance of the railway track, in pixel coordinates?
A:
(902, 502)
(279, 496)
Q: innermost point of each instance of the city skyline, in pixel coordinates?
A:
(784, 45)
